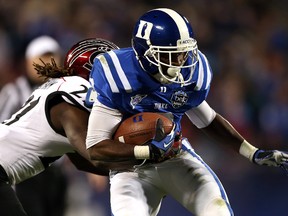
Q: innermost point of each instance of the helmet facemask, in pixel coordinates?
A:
(171, 59)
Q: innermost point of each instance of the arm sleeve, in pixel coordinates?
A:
(202, 115)
(103, 122)
(74, 90)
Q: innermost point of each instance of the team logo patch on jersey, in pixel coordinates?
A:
(136, 100)
(178, 99)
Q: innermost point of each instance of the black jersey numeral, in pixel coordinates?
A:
(85, 90)
(29, 104)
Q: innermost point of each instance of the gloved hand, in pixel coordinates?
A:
(271, 158)
(175, 148)
(162, 144)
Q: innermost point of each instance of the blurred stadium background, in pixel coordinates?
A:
(246, 42)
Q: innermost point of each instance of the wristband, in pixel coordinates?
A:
(142, 152)
(247, 150)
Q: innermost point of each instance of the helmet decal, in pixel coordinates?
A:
(144, 30)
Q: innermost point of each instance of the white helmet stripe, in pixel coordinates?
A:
(179, 21)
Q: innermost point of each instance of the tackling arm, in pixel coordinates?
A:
(71, 121)
(84, 165)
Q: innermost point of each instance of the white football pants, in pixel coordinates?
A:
(186, 178)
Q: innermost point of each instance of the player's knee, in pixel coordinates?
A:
(217, 207)
(130, 212)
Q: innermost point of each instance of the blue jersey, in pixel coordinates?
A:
(122, 84)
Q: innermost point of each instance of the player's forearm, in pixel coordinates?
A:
(87, 166)
(224, 133)
(111, 151)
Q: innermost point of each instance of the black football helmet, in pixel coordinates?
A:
(81, 56)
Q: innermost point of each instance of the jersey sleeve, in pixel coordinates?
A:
(202, 78)
(100, 83)
(74, 91)
(203, 73)
(199, 96)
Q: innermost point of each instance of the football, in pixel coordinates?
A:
(140, 128)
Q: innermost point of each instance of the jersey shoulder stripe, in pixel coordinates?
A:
(120, 72)
(204, 73)
(108, 73)
(114, 72)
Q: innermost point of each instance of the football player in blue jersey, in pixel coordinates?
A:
(163, 71)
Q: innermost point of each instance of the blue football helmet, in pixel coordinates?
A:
(81, 56)
(164, 44)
